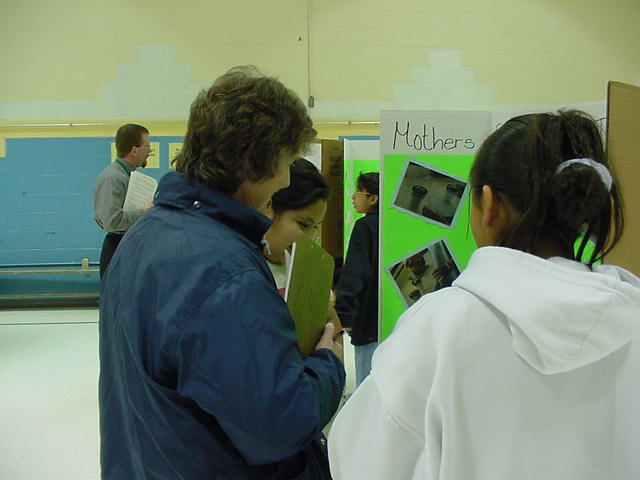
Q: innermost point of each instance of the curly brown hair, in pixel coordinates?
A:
(241, 128)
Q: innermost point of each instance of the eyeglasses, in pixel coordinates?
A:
(361, 193)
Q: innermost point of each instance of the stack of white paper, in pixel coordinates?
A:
(141, 190)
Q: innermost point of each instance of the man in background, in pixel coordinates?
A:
(133, 148)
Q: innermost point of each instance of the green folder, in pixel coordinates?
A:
(307, 291)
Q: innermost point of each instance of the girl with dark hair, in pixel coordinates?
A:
(527, 367)
(299, 207)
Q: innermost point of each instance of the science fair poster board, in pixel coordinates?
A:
(597, 110)
(326, 155)
(623, 146)
(425, 237)
(360, 156)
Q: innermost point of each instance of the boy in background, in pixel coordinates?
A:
(357, 289)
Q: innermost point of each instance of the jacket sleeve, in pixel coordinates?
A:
(355, 274)
(109, 197)
(238, 360)
(381, 432)
(367, 441)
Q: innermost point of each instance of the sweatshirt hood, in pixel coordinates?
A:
(562, 314)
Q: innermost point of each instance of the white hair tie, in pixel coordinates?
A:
(602, 171)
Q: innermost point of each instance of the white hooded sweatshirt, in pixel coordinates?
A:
(525, 368)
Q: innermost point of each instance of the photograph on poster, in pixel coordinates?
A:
(424, 271)
(428, 193)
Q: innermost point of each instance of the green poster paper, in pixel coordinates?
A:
(406, 235)
(425, 239)
(352, 169)
(360, 156)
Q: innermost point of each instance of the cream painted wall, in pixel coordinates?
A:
(111, 59)
(62, 50)
(531, 51)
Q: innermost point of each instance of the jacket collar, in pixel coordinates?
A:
(176, 191)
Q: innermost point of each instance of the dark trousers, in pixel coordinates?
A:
(109, 245)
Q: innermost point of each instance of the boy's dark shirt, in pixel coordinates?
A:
(357, 290)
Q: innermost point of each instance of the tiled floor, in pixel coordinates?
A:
(48, 405)
(48, 394)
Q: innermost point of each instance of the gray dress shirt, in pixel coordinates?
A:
(108, 198)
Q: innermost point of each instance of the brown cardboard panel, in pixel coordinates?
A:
(623, 145)
(333, 172)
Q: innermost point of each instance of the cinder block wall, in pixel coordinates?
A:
(117, 62)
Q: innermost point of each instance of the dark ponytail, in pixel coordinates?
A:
(519, 162)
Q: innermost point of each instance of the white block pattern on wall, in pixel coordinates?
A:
(156, 87)
(152, 87)
(443, 84)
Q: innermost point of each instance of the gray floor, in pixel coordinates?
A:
(48, 399)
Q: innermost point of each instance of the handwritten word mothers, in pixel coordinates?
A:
(426, 138)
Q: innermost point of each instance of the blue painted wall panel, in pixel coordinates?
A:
(46, 198)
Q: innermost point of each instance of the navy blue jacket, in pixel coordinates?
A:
(357, 289)
(200, 374)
